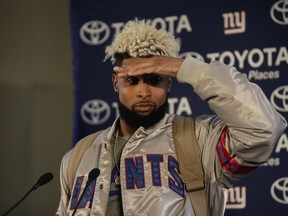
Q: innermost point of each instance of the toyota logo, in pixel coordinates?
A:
(94, 32)
(95, 112)
(279, 98)
(279, 12)
(279, 190)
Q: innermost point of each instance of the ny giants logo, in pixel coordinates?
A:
(136, 179)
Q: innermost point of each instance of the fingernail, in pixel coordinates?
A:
(116, 68)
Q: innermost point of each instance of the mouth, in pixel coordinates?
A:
(144, 107)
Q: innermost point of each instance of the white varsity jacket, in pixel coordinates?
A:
(233, 142)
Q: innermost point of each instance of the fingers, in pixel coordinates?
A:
(120, 71)
(154, 65)
(133, 70)
(135, 67)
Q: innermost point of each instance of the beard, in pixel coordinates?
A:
(134, 120)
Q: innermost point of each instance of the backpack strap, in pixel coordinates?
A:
(76, 156)
(188, 154)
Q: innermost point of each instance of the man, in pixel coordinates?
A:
(136, 156)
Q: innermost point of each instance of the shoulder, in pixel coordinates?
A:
(85, 142)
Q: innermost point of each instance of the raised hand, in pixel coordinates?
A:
(162, 65)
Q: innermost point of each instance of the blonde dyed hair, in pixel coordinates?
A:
(139, 39)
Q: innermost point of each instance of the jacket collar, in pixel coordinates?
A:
(166, 119)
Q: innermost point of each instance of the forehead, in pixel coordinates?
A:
(147, 78)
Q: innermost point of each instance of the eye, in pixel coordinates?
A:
(132, 80)
(154, 80)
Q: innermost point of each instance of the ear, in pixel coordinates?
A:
(115, 82)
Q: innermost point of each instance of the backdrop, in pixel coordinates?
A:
(251, 35)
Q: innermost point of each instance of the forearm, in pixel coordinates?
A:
(241, 105)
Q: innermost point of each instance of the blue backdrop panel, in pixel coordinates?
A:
(251, 35)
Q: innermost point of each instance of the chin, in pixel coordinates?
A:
(135, 119)
(143, 113)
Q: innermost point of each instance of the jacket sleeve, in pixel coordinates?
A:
(245, 128)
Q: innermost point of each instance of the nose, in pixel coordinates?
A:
(143, 91)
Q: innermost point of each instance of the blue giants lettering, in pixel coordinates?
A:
(175, 183)
(76, 192)
(134, 173)
(155, 167)
(87, 196)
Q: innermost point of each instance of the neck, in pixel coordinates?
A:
(125, 130)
